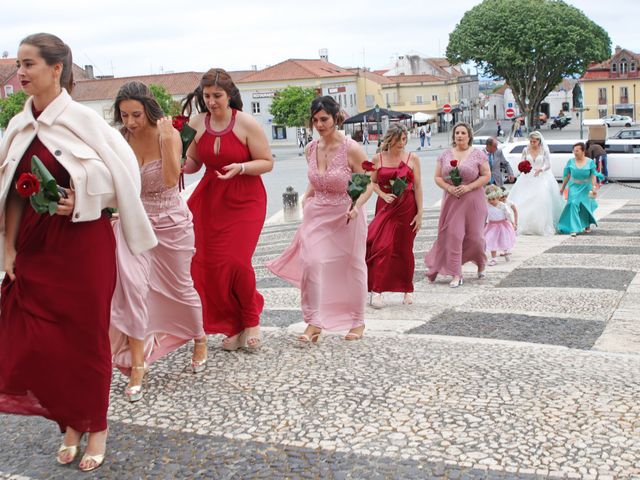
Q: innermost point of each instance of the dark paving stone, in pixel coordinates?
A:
(598, 249)
(568, 278)
(572, 333)
(626, 210)
(136, 452)
(600, 232)
(619, 220)
(272, 282)
(280, 318)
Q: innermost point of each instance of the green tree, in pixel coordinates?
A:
(169, 106)
(10, 106)
(290, 107)
(532, 44)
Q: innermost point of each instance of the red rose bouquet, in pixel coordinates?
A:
(454, 174)
(40, 188)
(398, 185)
(524, 166)
(187, 134)
(359, 182)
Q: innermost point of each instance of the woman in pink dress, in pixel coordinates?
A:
(155, 308)
(391, 233)
(326, 258)
(464, 209)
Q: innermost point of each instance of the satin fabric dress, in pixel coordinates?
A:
(228, 216)
(55, 359)
(154, 299)
(326, 258)
(537, 198)
(499, 233)
(462, 220)
(390, 237)
(579, 212)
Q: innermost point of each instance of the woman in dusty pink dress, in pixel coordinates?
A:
(155, 308)
(464, 209)
(326, 258)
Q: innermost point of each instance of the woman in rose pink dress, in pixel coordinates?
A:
(326, 258)
(464, 209)
(155, 308)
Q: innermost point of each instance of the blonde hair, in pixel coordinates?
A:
(393, 135)
(493, 192)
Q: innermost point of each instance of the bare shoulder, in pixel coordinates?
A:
(197, 120)
(246, 121)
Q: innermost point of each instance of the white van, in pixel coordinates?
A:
(623, 156)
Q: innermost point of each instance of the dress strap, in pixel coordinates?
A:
(227, 129)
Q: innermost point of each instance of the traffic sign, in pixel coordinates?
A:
(446, 108)
(510, 113)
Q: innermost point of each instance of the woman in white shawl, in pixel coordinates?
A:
(536, 193)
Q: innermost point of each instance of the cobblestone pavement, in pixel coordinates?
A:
(532, 372)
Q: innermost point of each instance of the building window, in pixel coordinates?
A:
(624, 95)
(279, 133)
(418, 98)
(602, 112)
(623, 66)
(434, 98)
(8, 90)
(255, 107)
(369, 101)
(614, 67)
(633, 67)
(602, 96)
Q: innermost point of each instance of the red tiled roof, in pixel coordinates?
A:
(8, 67)
(376, 77)
(381, 72)
(107, 88)
(414, 78)
(297, 69)
(7, 71)
(602, 70)
(8, 61)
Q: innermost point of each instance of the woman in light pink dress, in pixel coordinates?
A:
(326, 258)
(463, 212)
(155, 308)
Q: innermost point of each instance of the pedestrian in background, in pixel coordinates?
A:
(463, 211)
(326, 258)
(229, 208)
(155, 308)
(428, 134)
(423, 136)
(391, 233)
(55, 359)
(499, 131)
(599, 156)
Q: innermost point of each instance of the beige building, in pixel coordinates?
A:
(613, 86)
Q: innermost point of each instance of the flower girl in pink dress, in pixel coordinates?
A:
(499, 232)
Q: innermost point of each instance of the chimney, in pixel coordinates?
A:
(324, 54)
(254, 68)
(89, 71)
(618, 49)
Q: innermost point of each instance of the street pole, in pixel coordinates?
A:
(377, 109)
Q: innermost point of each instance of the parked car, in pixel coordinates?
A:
(617, 121)
(482, 140)
(628, 133)
(623, 160)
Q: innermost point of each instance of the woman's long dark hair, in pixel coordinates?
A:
(137, 91)
(53, 51)
(329, 105)
(216, 77)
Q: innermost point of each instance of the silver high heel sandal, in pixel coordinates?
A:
(456, 283)
(198, 366)
(376, 300)
(135, 393)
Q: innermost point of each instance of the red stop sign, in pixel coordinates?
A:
(510, 113)
(446, 108)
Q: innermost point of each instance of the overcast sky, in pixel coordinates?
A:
(136, 37)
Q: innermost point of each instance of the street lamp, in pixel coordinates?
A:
(377, 110)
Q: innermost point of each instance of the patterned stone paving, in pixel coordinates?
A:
(532, 372)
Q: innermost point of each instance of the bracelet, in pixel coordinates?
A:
(242, 169)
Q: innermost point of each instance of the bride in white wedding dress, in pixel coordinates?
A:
(536, 194)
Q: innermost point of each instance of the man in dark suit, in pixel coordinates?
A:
(497, 162)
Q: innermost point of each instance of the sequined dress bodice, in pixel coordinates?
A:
(331, 186)
(156, 196)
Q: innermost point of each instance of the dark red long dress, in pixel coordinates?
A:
(389, 257)
(228, 216)
(55, 359)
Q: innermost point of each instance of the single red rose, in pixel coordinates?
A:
(368, 166)
(27, 185)
(179, 122)
(524, 166)
(454, 163)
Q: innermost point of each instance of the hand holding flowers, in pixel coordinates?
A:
(44, 194)
(358, 185)
(187, 134)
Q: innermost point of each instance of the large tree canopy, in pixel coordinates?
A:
(291, 106)
(532, 44)
(169, 106)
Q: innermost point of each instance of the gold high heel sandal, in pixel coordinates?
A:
(73, 450)
(96, 460)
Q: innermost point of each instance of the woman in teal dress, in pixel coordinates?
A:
(580, 174)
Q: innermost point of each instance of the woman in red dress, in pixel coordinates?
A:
(229, 208)
(390, 261)
(55, 359)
